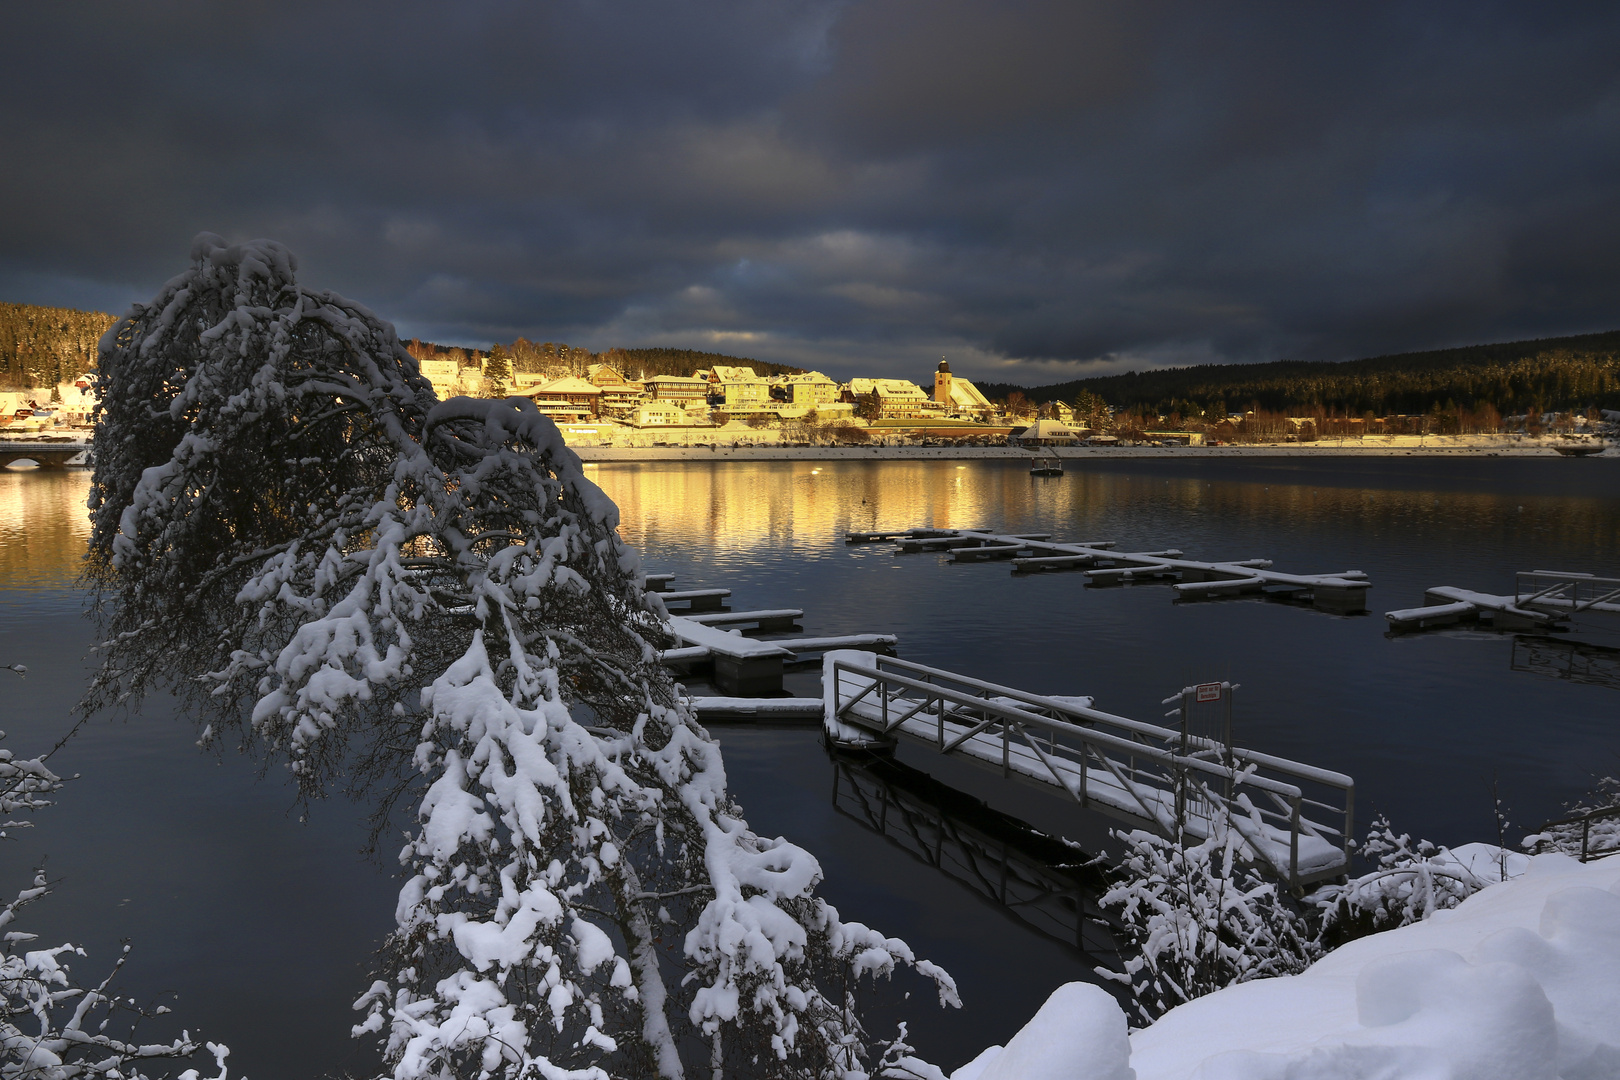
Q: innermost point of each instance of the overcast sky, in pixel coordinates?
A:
(1036, 190)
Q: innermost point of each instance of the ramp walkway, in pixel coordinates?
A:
(1295, 819)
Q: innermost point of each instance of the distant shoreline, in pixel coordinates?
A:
(619, 454)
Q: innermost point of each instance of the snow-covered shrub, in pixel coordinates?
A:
(51, 1026)
(1410, 881)
(375, 583)
(1195, 918)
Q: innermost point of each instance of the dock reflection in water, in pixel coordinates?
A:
(1573, 661)
(1047, 883)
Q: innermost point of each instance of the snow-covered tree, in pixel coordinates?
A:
(290, 527)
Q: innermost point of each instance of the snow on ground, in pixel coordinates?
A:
(1519, 982)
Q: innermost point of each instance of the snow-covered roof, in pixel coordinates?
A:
(603, 375)
(889, 388)
(1048, 429)
(967, 396)
(570, 385)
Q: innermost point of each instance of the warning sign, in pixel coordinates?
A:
(1209, 691)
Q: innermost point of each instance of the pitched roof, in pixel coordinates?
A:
(570, 385)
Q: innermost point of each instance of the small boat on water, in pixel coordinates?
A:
(1048, 464)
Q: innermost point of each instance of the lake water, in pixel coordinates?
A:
(263, 923)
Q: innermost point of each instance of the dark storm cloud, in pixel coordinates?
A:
(1033, 188)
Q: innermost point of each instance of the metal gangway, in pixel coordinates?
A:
(1295, 820)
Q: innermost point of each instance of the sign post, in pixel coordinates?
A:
(1210, 693)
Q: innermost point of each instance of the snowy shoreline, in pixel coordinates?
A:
(1433, 448)
(1519, 982)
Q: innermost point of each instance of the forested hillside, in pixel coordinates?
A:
(553, 358)
(43, 346)
(1547, 374)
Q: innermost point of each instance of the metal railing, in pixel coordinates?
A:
(1566, 592)
(1133, 770)
(1585, 820)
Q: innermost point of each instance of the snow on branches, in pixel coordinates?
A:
(287, 523)
(1197, 919)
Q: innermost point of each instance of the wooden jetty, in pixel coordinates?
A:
(1344, 592)
(1541, 599)
(1295, 820)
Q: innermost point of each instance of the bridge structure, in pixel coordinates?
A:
(47, 452)
(1342, 592)
(1295, 821)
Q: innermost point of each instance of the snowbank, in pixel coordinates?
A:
(1519, 982)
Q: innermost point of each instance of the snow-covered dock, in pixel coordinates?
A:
(773, 619)
(1541, 599)
(697, 599)
(1344, 592)
(751, 708)
(1296, 819)
(747, 667)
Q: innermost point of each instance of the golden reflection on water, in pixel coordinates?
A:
(44, 526)
(750, 505)
(743, 506)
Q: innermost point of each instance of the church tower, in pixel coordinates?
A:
(942, 383)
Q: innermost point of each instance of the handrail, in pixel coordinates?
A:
(1085, 734)
(1584, 820)
(1309, 772)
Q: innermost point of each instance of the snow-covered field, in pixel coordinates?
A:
(1519, 982)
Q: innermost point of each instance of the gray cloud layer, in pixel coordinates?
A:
(1035, 189)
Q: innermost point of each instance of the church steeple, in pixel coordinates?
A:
(942, 382)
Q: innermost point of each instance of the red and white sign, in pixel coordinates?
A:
(1209, 691)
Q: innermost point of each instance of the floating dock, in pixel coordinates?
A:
(748, 668)
(1541, 600)
(1343, 592)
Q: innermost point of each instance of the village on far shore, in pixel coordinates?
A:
(723, 405)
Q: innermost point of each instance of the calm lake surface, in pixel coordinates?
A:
(263, 923)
